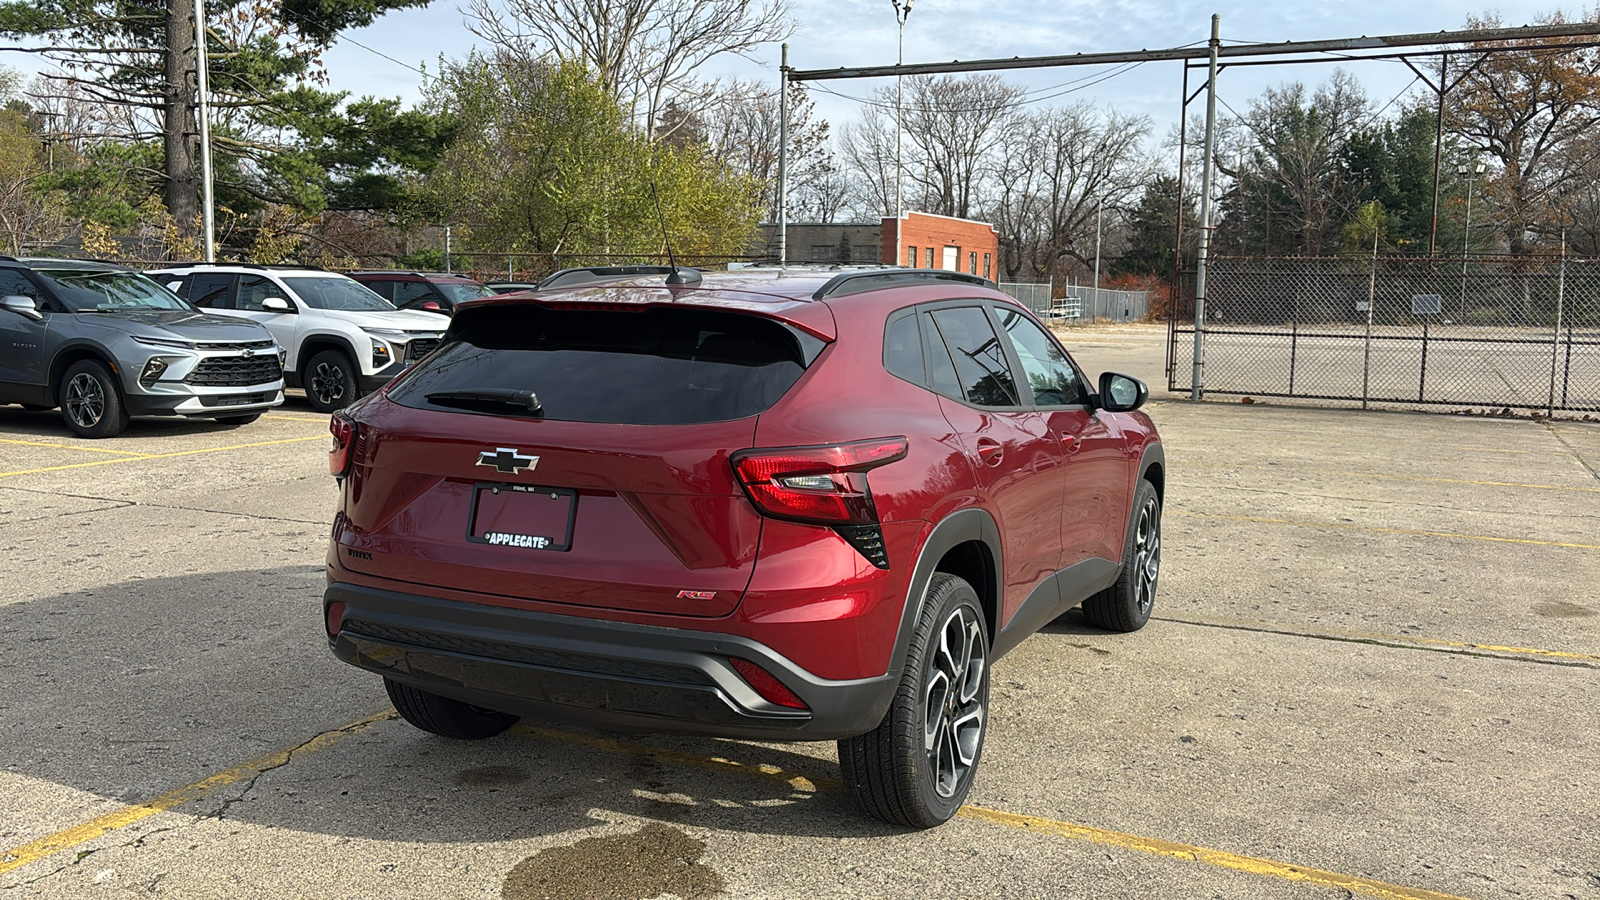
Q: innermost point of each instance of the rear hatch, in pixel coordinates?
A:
(573, 456)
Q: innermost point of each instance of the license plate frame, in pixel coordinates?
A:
(502, 495)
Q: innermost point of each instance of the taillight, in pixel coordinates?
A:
(822, 485)
(344, 440)
(335, 618)
(766, 684)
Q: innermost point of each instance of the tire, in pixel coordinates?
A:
(90, 402)
(903, 772)
(236, 421)
(444, 716)
(1126, 605)
(330, 381)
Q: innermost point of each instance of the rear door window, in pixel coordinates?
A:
(980, 361)
(210, 289)
(657, 367)
(253, 289)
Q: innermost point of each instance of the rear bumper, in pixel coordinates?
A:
(592, 671)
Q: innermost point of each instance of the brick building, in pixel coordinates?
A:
(918, 240)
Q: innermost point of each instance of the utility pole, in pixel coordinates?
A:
(901, 14)
(208, 203)
(1099, 211)
(1197, 376)
(783, 158)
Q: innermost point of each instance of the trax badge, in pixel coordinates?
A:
(507, 460)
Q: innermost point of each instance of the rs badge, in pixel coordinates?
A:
(696, 595)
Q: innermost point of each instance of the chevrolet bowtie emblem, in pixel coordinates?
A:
(507, 460)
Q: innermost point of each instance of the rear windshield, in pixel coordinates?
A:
(657, 367)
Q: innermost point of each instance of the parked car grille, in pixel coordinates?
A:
(236, 371)
(550, 659)
(235, 345)
(234, 399)
(420, 347)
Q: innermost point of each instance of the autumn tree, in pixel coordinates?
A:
(138, 57)
(1523, 106)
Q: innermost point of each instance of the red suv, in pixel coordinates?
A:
(791, 505)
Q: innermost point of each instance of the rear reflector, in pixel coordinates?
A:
(335, 617)
(823, 485)
(770, 688)
(344, 438)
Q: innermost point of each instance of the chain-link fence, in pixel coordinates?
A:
(1081, 304)
(1481, 332)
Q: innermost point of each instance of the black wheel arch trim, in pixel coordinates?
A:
(961, 527)
(312, 344)
(1153, 456)
(77, 349)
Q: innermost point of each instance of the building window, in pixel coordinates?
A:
(972, 263)
(911, 257)
(986, 265)
(930, 257)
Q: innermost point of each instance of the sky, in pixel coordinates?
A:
(383, 59)
(831, 33)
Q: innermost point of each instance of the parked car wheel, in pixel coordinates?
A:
(330, 380)
(917, 766)
(444, 716)
(1126, 605)
(236, 421)
(90, 403)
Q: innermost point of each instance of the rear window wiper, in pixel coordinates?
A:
(491, 400)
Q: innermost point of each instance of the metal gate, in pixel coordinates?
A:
(1477, 333)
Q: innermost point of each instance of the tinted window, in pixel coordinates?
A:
(384, 289)
(255, 288)
(979, 359)
(902, 349)
(660, 367)
(1051, 377)
(336, 292)
(209, 289)
(409, 292)
(941, 371)
(16, 284)
(458, 293)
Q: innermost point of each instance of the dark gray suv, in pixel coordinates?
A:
(103, 343)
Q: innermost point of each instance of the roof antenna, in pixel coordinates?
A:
(677, 277)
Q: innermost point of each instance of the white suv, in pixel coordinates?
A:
(342, 339)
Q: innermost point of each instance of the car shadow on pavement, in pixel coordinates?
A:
(48, 425)
(132, 690)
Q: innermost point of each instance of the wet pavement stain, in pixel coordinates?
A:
(1563, 610)
(491, 776)
(655, 860)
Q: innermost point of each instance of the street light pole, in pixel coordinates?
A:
(208, 203)
(1466, 231)
(901, 13)
(1099, 211)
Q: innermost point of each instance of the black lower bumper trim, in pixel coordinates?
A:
(591, 671)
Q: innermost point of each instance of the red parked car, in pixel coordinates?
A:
(792, 505)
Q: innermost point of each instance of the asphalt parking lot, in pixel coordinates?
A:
(1372, 672)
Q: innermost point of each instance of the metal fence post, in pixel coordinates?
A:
(1555, 332)
(1197, 376)
(1372, 301)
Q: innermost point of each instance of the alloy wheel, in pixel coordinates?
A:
(1147, 554)
(86, 400)
(327, 383)
(953, 701)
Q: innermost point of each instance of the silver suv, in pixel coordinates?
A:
(343, 340)
(103, 343)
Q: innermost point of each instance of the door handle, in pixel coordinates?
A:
(1071, 442)
(990, 451)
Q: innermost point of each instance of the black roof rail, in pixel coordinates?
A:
(848, 283)
(597, 274)
(8, 259)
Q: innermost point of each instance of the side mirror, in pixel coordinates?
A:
(1121, 393)
(22, 306)
(429, 305)
(276, 304)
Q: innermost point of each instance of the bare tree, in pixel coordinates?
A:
(867, 146)
(1062, 168)
(953, 124)
(742, 128)
(644, 52)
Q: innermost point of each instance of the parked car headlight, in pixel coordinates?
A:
(380, 354)
(164, 342)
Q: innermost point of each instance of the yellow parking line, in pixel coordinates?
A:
(1299, 472)
(1219, 858)
(97, 827)
(1378, 530)
(1400, 639)
(71, 447)
(323, 420)
(149, 456)
(128, 815)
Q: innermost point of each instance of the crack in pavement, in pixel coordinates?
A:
(1560, 438)
(1401, 504)
(123, 504)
